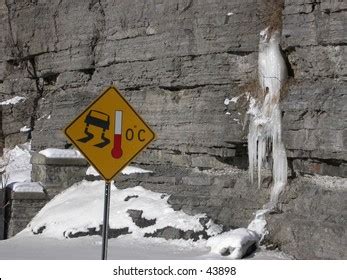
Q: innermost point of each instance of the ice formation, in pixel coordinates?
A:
(264, 137)
(264, 142)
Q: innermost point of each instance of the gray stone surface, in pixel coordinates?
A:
(309, 224)
(312, 223)
(20, 212)
(57, 174)
(176, 62)
(2, 213)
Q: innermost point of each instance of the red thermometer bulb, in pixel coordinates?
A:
(117, 137)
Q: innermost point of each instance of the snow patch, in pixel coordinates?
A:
(234, 100)
(132, 169)
(13, 100)
(61, 153)
(15, 164)
(25, 129)
(126, 171)
(27, 187)
(234, 243)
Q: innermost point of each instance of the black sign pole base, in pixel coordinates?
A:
(106, 219)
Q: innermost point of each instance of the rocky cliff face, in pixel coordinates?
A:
(176, 62)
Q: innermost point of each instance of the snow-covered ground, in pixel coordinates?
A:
(80, 208)
(29, 247)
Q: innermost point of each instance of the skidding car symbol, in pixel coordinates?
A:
(98, 119)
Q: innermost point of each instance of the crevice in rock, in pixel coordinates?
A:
(99, 28)
(88, 71)
(39, 93)
(132, 88)
(50, 78)
(2, 136)
(240, 53)
(184, 87)
(329, 161)
(13, 42)
(187, 7)
(285, 54)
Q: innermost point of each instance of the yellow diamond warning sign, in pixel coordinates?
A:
(109, 133)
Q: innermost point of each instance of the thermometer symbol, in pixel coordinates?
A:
(117, 137)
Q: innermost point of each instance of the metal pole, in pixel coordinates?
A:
(106, 218)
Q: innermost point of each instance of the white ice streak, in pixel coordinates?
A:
(264, 140)
(126, 171)
(60, 153)
(234, 100)
(15, 164)
(25, 129)
(13, 100)
(264, 137)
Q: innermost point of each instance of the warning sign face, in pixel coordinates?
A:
(109, 133)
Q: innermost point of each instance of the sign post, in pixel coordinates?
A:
(105, 220)
(110, 134)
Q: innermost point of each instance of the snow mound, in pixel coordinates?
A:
(234, 243)
(80, 208)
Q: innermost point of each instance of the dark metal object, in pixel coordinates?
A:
(106, 219)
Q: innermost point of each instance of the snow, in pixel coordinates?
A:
(132, 169)
(327, 182)
(236, 242)
(60, 153)
(27, 187)
(234, 100)
(25, 246)
(25, 129)
(81, 206)
(13, 100)
(16, 164)
(126, 171)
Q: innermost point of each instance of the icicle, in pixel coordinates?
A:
(264, 137)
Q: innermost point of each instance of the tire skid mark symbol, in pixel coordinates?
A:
(98, 119)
